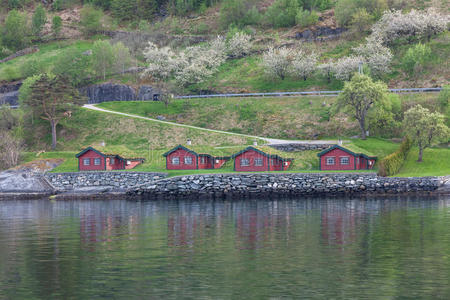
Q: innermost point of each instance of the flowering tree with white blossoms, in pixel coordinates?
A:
(344, 68)
(304, 64)
(394, 25)
(239, 45)
(193, 65)
(277, 62)
(162, 62)
(376, 56)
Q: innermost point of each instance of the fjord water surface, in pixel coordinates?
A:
(316, 249)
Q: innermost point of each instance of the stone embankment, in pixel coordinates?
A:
(288, 184)
(101, 181)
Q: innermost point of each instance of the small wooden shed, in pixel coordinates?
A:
(338, 158)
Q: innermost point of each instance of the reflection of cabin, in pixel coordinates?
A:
(91, 159)
(252, 159)
(182, 158)
(338, 158)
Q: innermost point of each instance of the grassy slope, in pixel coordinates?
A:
(288, 118)
(46, 56)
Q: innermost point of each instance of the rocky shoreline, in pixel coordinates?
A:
(152, 186)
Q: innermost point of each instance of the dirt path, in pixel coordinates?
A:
(269, 141)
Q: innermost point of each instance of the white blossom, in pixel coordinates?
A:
(161, 61)
(344, 68)
(394, 25)
(377, 56)
(239, 45)
(303, 64)
(277, 62)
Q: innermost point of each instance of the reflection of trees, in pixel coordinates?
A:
(240, 249)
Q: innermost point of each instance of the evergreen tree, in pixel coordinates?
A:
(38, 21)
(52, 99)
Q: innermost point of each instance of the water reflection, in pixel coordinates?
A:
(316, 248)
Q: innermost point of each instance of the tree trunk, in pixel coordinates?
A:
(53, 124)
(420, 154)
(304, 78)
(362, 125)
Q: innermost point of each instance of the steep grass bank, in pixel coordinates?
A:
(284, 118)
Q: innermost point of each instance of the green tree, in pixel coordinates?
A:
(416, 57)
(91, 20)
(232, 12)
(75, 65)
(38, 20)
(425, 128)
(282, 13)
(16, 33)
(102, 58)
(358, 97)
(361, 21)
(56, 25)
(52, 99)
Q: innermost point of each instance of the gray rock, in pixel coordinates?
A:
(108, 92)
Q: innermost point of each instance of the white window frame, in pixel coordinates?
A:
(203, 160)
(86, 161)
(97, 161)
(247, 164)
(175, 160)
(260, 162)
(345, 157)
(331, 158)
(186, 160)
(112, 161)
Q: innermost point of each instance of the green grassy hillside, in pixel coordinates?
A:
(286, 118)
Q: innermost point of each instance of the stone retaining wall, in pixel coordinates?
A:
(112, 180)
(300, 147)
(289, 184)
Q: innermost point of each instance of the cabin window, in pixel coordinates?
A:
(217, 161)
(330, 161)
(86, 161)
(97, 161)
(245, 162)
(188, 160)
(258, 162)
(175, 161)
(345, 160)
(203, 160)
(112, 161)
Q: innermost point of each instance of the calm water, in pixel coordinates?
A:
(319, 249)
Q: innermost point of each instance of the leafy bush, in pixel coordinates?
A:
(11, 73)
(282, 13)
(56, 25)
(15, 32)
(32, 67)
(74, 65)
(415, 58)
(306, 18)
(391, 164)
(346, 9)
(232, 12)
(38, 20)
(91, 20)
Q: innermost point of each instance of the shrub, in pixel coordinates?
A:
(32, 67)
(90, 21)
(16, 33)
(38, 20)
(282, 13)
(56, 25)
(415, 58)
(306, 18)
(11, 73)
(74, 65)
(232, 12)
(391, 164)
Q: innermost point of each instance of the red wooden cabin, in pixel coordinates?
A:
(337, 158)
(182, 158)
(91, 159)
(254, 160)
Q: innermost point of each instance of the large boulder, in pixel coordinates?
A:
(98, 93)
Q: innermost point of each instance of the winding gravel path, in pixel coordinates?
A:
(269, 141)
